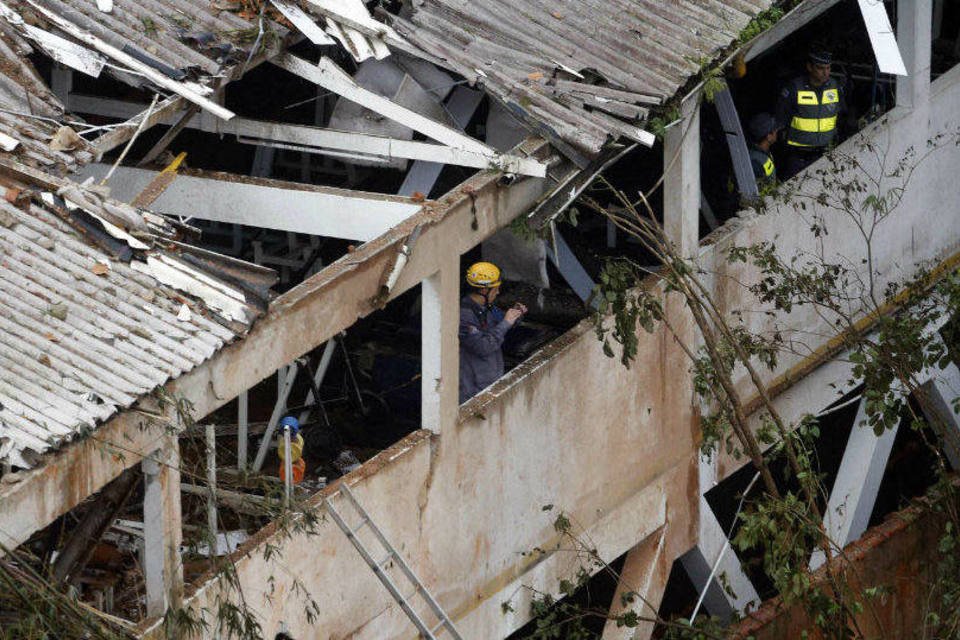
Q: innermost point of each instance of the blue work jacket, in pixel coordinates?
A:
(482, 330)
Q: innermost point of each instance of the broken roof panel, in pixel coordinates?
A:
(555, 62)
(195, 37)
(30, 113)
(91, 318)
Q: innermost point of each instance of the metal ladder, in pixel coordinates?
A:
(378, 568)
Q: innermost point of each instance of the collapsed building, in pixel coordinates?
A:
(217, 215)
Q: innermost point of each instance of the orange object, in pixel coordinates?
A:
(299, 470)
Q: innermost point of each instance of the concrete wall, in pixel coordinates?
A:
(924, 229)
(465, 508)
(615, 448)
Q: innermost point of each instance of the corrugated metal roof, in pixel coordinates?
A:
(29, 112)
(84, 335)
(529, 54)
(197, 35)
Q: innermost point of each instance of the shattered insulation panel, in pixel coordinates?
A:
(585, 70)
(85, 329)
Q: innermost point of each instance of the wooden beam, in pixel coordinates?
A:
(121, 134)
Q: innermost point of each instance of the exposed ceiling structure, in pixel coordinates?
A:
(583, 73)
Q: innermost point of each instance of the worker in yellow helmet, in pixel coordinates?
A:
(483, 328)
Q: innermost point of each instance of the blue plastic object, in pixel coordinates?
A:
(293, 423)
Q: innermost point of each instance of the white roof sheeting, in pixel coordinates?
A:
(83, 336)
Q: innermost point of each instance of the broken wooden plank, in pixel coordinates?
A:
(159, 184)
(247, 503)
(607, 92)
(99, 517)
(304, 23)
(116, 137)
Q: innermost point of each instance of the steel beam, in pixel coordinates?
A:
(423, 174)
(333, 213)
(569, 267)
(712, 548)
(915, 33)
(286, 376)
(736, 143)
(318, 377)
(942, 392)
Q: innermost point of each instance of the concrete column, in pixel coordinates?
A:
(645, 573)
(681, 185)
(914, 33)
(162, 529)
(699, 561)
(940, 393)
(858, 482)
(440, 357)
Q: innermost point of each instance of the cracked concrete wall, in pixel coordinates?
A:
(465, 508)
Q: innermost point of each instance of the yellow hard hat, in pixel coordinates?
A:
(483, 275)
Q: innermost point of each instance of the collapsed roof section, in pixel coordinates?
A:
(579, 73)
(98, 306)
(30, 114)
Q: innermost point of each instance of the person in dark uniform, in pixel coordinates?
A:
(809, 108)
(763, 129)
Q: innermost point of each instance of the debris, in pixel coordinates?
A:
(184, 314)
(58, 311)
(105, 5)
(100, 268)
(66, 139)
(159, 184)
(536, 75)
(46, 243)
(44, 359)
(7, 220)
(346, 462)
(12, 194)
(8, 143)
(303, 22)
(51, 337)
(418, 197)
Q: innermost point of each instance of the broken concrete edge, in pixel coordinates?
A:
(539, 360)
(918, 513)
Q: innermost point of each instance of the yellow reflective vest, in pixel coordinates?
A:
(811, 112)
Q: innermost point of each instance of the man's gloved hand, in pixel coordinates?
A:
(515, 312)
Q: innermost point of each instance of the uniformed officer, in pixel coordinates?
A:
(808, 108)
(763, 129)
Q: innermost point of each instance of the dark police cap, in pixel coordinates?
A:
(761, 125)
(820, 56)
